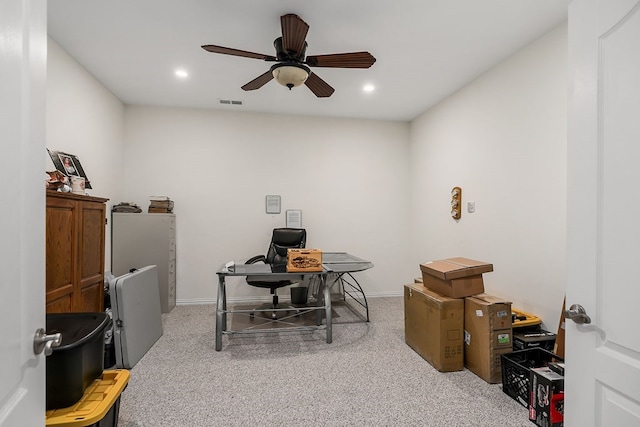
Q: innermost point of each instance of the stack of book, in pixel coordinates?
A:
(160, 204)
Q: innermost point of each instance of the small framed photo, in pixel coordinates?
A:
(68, 164)
(294, 218)
(272, 203)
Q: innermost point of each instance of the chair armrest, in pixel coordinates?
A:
(257, 258)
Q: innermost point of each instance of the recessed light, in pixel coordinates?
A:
(368, 88)
(182, 74)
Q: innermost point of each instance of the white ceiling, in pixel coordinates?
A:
(425, 49)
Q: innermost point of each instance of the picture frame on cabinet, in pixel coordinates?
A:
(68, 164)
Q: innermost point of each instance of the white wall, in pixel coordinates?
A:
(502, 138)
(380, 190)
(85, 119)
(349, 178)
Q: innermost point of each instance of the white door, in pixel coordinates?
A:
(23, 45)
(602, 384)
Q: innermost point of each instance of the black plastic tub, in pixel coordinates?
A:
(78, 360)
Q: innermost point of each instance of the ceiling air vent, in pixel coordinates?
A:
(230, 102)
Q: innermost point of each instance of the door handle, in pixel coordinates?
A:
(578, 314)
(42, 341)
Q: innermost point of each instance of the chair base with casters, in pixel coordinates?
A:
(274, 310)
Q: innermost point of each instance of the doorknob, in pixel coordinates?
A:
(42, 341)
(578, 314)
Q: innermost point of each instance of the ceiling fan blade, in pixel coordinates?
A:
(237, 52)
(259, 81)
(294, 33)
(318, 86)
(342, 60)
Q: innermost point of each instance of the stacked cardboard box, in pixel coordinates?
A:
(451, 285)
(433, 325)
(455, 277)
(487, 335)
(434, 309)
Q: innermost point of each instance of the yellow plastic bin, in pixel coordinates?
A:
(99, 405)
(520, 319)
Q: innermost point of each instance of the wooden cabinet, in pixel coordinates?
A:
(141, 239)
(75, 233)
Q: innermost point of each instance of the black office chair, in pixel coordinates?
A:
(281, 240)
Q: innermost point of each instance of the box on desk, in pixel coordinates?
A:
(433, 327)
(304, 260)
(455, 277)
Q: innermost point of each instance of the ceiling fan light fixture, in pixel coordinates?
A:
(292, 63)
(290, 74)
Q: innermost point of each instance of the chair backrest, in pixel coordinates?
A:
(283, 239)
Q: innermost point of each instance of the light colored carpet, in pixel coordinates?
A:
(368, 376)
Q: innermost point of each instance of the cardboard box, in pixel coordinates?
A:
(433, 326)
(487, 335)
(304, 260)
(546, 404)
(543, 339)
(557, 367)
(455, 277)
(559, 347)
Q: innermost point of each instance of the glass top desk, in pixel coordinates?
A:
(334, 265)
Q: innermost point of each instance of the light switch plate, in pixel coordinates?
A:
(471, 207)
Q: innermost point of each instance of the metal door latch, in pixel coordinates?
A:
(42, 341)
(578, 314)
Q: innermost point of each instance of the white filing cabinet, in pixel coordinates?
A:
(141, 239)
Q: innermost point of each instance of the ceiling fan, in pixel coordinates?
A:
(291, 67)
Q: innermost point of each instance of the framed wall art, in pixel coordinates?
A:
(272, 203)
(68, 164)
(294, 218)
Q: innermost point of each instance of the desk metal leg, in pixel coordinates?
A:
(327, 305)
(224, 305)
(221, 312)
(319, 314)
(352, 288)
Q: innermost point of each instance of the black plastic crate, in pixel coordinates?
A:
(516, 371)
